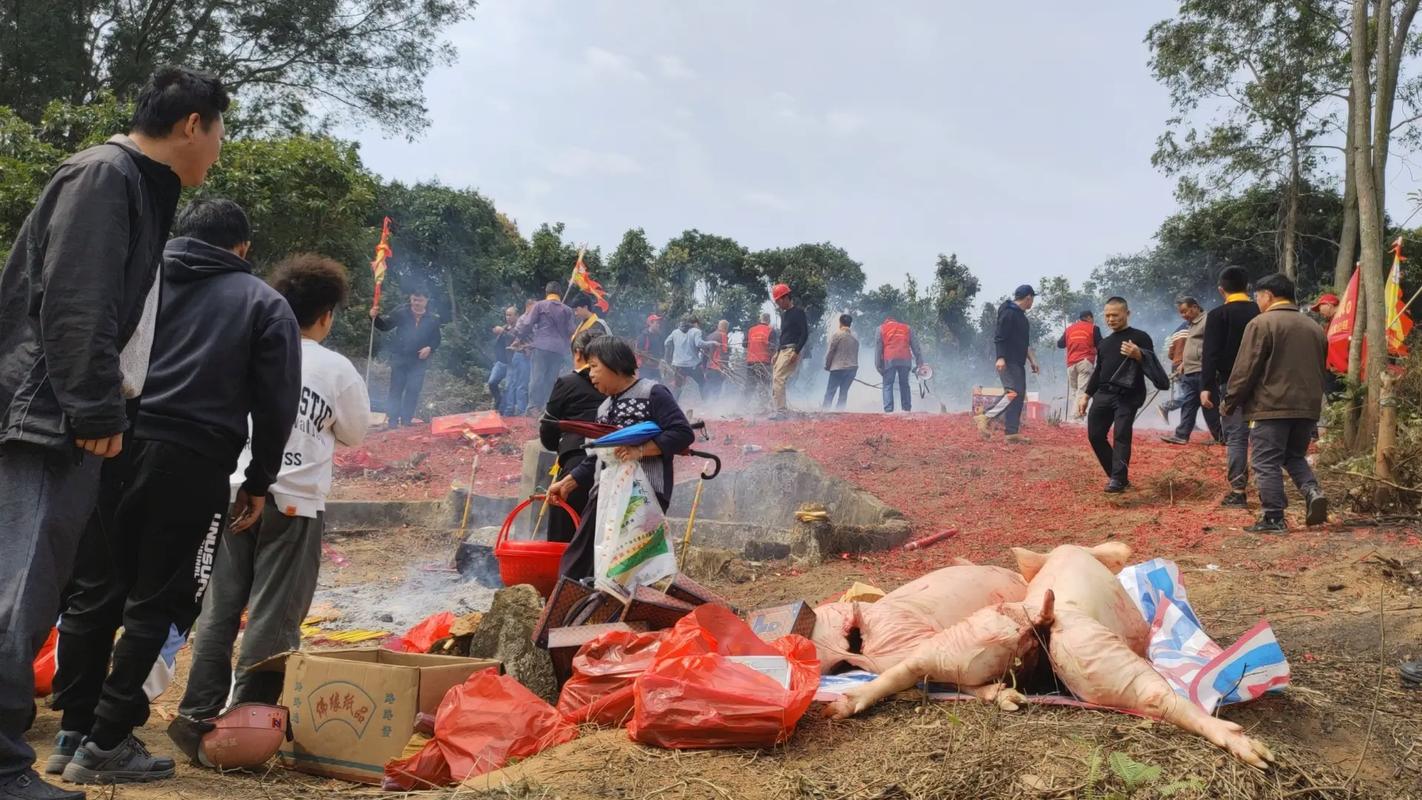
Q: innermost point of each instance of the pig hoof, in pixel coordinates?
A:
(1010, 699)
(1231, 737)
(845, 707)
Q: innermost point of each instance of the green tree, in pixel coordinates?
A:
(822, 275)
(697, 267)
(954, 289)
(1265, 71)
(356, 59)
(633, 289)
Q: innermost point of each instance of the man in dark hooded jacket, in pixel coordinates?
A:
(227, 346)
(78, 299)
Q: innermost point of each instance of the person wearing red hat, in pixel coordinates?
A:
(794, 334)
(1326, 307)
(650, 348)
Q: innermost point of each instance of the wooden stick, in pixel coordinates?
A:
(370, 354)
(469, 496)
(691, 518)
(553, 477)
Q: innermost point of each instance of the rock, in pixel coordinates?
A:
(506, 634)
(706, 563)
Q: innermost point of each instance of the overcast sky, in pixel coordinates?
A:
(1018, 137)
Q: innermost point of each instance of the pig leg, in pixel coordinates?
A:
(999, 694)
(904, 675)
(1100, 668)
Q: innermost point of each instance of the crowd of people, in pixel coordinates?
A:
(169, 420)
(1253, 368)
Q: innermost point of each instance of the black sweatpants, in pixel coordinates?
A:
(144, 563)
(1112, 412)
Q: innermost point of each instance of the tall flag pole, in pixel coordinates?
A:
(377, 269)
(1399, 322)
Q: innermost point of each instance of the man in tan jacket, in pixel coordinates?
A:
(1277, 381)
(841, 362)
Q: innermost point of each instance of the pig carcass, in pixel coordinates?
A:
(877, 636)
(1098, 643)
(977, 655)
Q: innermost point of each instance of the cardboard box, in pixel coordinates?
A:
(772, 623)
(353, 710)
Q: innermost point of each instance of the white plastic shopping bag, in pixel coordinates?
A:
(631, 547)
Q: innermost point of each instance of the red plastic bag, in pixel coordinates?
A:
(694, 696)
(600, 690)
(481, 725)
(422, 637)
(45, 665)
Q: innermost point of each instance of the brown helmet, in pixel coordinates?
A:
(246, 735)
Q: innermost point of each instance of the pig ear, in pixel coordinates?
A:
(1112, 555)
(1046, 613)
(963, 562)
(1028, 562)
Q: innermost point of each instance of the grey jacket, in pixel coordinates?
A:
(72, 293)
(843, 352)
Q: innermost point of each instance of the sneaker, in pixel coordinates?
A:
(1268, 525)
(187, 732)
(1164, 413)
(1411, 674)
(28, 786)
(65, 744)
(1017, 438)
(1116, 487)
(1235, 500)
(129, 762)
(1173, 439)
(1317, 508)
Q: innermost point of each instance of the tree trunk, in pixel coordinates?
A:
(1288, 257)
(1383, 494)
(1348, 238)
(1369, 216)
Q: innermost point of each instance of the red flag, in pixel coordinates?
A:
(585, 283)
(1340, 329)
(377, 267)
(1399, 322)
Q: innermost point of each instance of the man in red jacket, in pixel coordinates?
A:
(1079, 340)
(760, 344)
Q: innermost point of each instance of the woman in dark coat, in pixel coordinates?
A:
(573, 398)
(613, 370)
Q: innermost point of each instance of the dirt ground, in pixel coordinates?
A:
(1345, 601)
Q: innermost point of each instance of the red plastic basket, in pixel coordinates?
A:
(532, 562)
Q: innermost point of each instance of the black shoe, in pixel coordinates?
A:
(1411, 674)
(65, 745)
(187, 734)
(1116, 487)
(130, 762)
(1235, 500)
(1268, 525)
(1317, 508)
(28, 786)
(1173, 439)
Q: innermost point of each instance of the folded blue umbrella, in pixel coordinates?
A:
(640, 433)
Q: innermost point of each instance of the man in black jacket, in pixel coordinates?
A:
(1117, 390)
(573, 398)
(1224, 330)
(415, 340)
(146, 561)
(78, 298)
(1013, 342)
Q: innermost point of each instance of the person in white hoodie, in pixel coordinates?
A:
(271, 569)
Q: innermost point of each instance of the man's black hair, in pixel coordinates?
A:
(1118, 300)
(582, 340)
(552, 287)
(1277, 284)
(846, 320)
(418, 288)
(1187, 300)
(217, 221)
(312, 285)
(581, 301)
(1086, 315)
(171, 95)
(614, 353)
(1234, 280)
